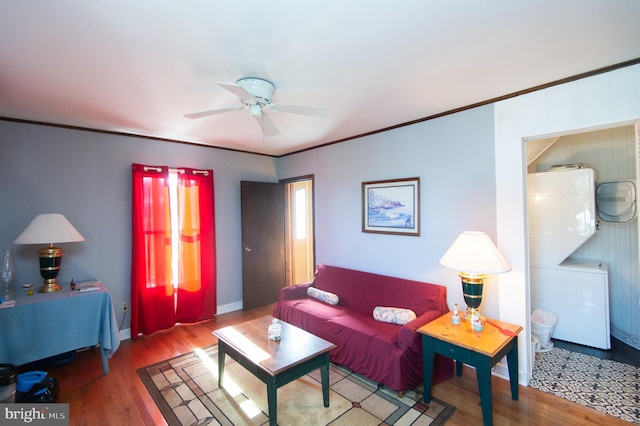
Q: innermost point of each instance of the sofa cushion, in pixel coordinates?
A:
(308, 314)
(393, 315)
(323, 296)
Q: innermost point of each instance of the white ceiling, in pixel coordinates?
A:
(137, 67)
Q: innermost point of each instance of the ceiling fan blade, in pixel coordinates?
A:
(315, 111)
(236, 90)
(213, 112)
(267, 125)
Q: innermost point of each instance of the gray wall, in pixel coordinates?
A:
(87, 177)
(454, 158)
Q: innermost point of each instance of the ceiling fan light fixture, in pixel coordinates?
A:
(255, 95)
(255, 110)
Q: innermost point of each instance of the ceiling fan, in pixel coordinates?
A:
(255, 95)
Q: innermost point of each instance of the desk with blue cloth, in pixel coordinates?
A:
(49, 324)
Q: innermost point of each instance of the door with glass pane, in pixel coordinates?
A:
(299, 231)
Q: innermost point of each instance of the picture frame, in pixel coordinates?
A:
(391, 206)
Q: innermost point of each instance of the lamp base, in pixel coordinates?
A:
(49, 286)
(49, 267)
(469, 314)
(472, 285)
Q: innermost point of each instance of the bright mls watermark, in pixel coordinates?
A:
(48, 414)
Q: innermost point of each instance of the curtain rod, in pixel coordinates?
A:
(181, 171)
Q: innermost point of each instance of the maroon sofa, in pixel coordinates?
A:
(389, 354)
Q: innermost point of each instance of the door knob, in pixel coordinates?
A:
(247, 249)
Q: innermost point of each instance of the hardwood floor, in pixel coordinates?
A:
(119, 398)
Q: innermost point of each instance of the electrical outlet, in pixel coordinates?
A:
(125, 306)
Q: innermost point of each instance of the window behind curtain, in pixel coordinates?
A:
(173, 269)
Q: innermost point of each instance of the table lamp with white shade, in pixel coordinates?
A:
(474, 255)
(49, 229)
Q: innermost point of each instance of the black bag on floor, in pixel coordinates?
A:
(44, 391)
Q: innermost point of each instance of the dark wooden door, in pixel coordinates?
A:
(263, 242)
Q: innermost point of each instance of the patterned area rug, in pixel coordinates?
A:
(608, 386)
(186, 391)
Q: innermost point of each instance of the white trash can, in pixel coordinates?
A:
(542, 323)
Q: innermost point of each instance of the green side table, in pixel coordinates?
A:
(479, 349)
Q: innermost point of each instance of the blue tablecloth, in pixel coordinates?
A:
(44, 325)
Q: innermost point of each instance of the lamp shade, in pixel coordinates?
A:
(475, 253)
(49, 229)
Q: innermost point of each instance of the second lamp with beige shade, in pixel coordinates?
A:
(49, 229)
(474, 255)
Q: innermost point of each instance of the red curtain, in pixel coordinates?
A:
(196, 286)
(157, 302)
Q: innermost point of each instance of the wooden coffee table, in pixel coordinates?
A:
(276, 363)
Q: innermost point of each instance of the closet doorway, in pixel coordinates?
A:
(613, 152)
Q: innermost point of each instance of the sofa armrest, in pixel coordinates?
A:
(296, 291)
(408, 336)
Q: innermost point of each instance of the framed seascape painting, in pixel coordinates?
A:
(391, 206)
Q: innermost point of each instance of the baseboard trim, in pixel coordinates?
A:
(125, 334)
(230, 307)
(501, 369)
